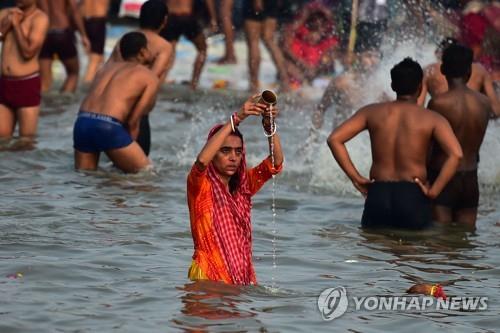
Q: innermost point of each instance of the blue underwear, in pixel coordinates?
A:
(94, 133)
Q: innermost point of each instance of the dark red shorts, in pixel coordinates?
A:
(20, 92)
(96, 31)
(61, 43)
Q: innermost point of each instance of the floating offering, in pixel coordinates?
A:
(435, 290)
(15, 276)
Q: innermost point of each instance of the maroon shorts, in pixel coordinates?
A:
(20, 92)
(96, 31)
(60, 42)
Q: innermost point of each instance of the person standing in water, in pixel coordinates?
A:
(184, 21)
(22, 32)
(152, 19)
(110, 114)
(61, 41)
(261, 23)
(435, 82)
(219, 191)
(94, 14)
(468, 113)
(401, 132)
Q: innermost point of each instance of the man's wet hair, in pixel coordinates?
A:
(406, 77)
(457, 61)
(446, 42)
(131, 44)
(153, 13)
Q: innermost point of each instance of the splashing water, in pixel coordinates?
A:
(273, 203)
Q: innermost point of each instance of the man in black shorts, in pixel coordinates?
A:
(261, 23)
(182, 20)
(401, 132)
(468, 113)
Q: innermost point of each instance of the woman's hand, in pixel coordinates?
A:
(251, 108)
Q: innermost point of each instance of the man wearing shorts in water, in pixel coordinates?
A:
(94, 14)
(468, 112)
(182, 20)
(110, 115)
(152, 20)
(61, 42)
(22, 31)
(401, 132)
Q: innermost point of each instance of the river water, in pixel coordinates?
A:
(103, 251)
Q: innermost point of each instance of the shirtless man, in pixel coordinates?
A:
(183, 21)
(348, 90)
(467, 111)
(61, 42)
(94, 14)
(152, 20)
(480, 80)
(110, 115)
(401, 132)
(22, 31)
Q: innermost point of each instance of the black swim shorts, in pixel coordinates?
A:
(461, 192)
(177, 25)
(396, 204)
(271, 10)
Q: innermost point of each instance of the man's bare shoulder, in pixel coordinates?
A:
(432, 69)
(479, 69)
(40, 17)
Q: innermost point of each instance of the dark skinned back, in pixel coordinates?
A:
(467, 111)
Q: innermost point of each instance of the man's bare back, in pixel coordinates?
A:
(468, 112)
(34, 27)
(94, 8)
(58, 11)
(113, 93)
(180, 7)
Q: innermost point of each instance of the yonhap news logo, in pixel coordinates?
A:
(334, 302)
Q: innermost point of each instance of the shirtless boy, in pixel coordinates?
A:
(22, 32)
(110, 114)
(467, 111)
(94, 14)
(397, 193)
(152, 20)
(61, 41)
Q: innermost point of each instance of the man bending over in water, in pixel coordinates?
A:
(468, 112)
(220, 190)
(22, 31)
(152, 20)
(400, 133)
(110, 114)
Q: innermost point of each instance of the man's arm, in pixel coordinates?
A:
(30, 44)
(5, 23)
(160, 64)
(336, 141)
(77, 18)
(449, 144)
(326, 101)
(143, 106)
(423, 93)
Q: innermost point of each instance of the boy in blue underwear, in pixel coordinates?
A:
(110, 115)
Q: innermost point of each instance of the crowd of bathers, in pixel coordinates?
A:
(425, 156)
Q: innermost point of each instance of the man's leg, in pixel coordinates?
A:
(466, 216)
(268, 36)
(7, 122)
(28, 121)
(226, 14)
(442, 214)
(72, 67)
(46, 74)
(252, 33)
(86, 161)
(95, 61)
(200, 43)
(130, 159)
